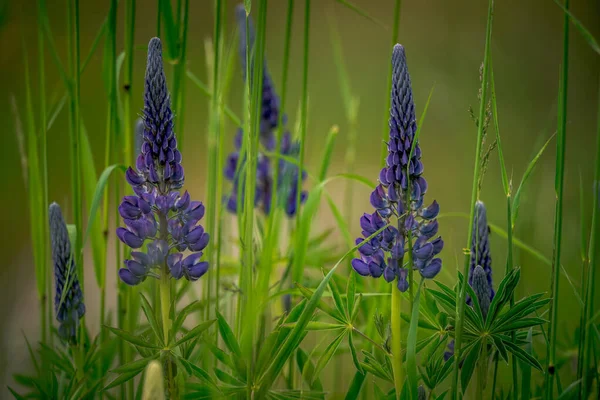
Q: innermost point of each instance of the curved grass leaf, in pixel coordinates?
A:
(327, 355)
(100, 186)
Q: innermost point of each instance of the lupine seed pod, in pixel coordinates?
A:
(398, 199)
(158, 212)
(68, 301)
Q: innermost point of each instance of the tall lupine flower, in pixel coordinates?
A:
(287, 181)
(68, 300)
(398, 199)
(158, 212)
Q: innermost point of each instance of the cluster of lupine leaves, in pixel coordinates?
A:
(269, 316)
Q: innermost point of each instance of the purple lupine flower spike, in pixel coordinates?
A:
(480, 246)
(480, 273)
(68, 300)
(287, 182)
(158, 213)
(398, 199)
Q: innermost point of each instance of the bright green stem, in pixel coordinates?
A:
(386, 131)
(396, 340)
(461, 295)
(165, 302)
(559, 186)
(587, 326)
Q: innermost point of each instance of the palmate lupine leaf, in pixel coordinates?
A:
(472, 355)
(136, 365)
(151, 318)
(307, 368)
(132, 339)
(194, 333)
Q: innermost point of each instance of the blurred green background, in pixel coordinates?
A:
(444, 43)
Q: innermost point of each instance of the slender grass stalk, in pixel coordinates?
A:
(587, 326)
(46, 304)
(559, 186)
(213, 146)
(396, 324)
(510, 225)
(461, 295)
(393, 41)
(128, 78)
(180, 66)
(74, 130)
(303, 108)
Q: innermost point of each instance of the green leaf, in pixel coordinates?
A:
(520, 324)
(128, 337)
(231, 343)
(505, 290)
(328, 354)
(119, 380)
(337, 299)
(421, 323)
(321, 305)
(227, 378)
(151, 317)
(526, 368)
(98, 196)
(170, 29)
(183, 315)
(136, 365)
(469, 365)
(355, 359)
(15, 394)
(194, 332)
(522, 355)
(420, 125)
(317, 326)
(307, 370)
(355, 386)
(501, 348)
(196, 371)
(571, 392)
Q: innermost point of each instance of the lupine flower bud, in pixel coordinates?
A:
(480, 247)
(481, 289)
(287, 183)
(398, 199)
(68, 301)
(157, 212)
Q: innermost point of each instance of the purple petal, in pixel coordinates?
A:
(136, 268)
(431, 270)
(201, 243)
(197, 270)
(431, 211)
(360, 266)
(128, 278)
(129, 238)
(133, 178)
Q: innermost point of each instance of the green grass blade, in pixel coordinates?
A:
(589, 38)
(559, 189)
(411, 346)
(528, 171)
(329, 144)
(362, 13)
(98, 192)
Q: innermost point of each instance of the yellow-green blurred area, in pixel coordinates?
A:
(444, 42)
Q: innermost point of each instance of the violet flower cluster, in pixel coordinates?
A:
(158, 213)
(287, 180)
(68, 300)
(398, 199)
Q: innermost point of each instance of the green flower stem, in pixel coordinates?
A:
(396, 322)
(461, 295)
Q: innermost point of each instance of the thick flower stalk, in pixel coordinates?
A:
(68, 301)
(287, 179)
(398, 199)
(158, 213)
